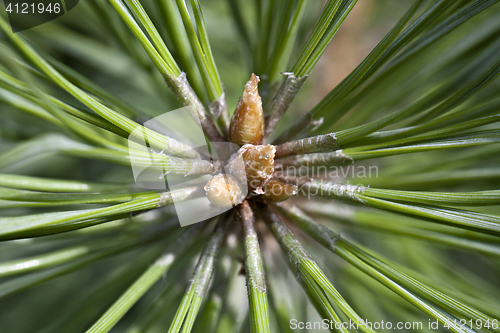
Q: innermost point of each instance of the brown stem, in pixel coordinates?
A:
(218, 109)
(186, 95)
(314, 144)
(319, 159)
(282, 100)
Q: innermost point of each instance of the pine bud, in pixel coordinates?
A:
(247, 123)
(276, 190)
(224, 191)
(259, 165)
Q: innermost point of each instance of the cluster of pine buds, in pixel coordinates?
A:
(247, 131)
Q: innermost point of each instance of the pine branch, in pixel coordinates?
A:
(256, 284)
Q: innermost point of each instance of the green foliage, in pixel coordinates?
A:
(417, 241)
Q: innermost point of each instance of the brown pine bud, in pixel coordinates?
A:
(247, 123)
(276, 190)
(224, 191)
(259, 165)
